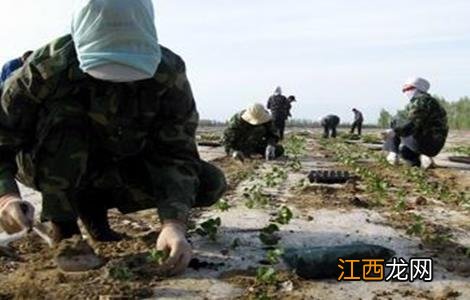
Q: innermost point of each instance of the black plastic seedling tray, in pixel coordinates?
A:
(329, 176)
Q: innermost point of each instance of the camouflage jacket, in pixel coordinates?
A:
(427, 123)
(279, 105)
(247, 138)
(51, 90)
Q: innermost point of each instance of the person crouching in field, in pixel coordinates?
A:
(252, 132)
(105, 118)
(329, 124)
(423, 135)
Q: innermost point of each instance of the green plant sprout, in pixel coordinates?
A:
(255, 196)
(284, 215)
(157, 256)
(418, 227)
(268, 235)
(275, 177)
(209, 228)
(274, 255)
(222, 205)
(266, 275)
(121, 273)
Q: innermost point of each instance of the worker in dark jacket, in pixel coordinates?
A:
(280, 107)
(423, 134)
(357, 123)
(329, 124)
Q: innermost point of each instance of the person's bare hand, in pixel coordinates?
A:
(172, 240)
(15, 214)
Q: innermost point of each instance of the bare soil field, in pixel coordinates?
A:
(412, 212)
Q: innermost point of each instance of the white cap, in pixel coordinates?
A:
(419, 83)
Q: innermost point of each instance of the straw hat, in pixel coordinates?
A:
(256, 114)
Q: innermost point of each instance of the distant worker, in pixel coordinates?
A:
(423, 134)
(329, 124)
(12, 66)
(280, 107)
(251, 132)
(358, 120)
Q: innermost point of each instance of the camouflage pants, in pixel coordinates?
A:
(67, 171)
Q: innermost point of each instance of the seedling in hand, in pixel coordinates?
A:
(157, 256)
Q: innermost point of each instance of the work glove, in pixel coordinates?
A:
(388, 134)
(238, 155)
(172, 240)
(16, 215)
(270, 152)
(393, 158)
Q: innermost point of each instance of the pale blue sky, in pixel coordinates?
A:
(332, 55)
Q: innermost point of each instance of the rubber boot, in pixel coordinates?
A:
(64, 230)
(95, 219)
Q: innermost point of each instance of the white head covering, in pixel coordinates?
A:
(278, 91)
(116, 39)
(419, 83)
(256, 114)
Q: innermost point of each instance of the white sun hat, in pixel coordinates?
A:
(419, 83)
(256, 114)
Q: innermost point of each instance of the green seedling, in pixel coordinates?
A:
(268, 235)
(121, 273)
(418, 227)
(222, 205)
(209, 228)
(157, 256)
(266, 275)
(275, 177)
(401, 202)
(274, 256)
(284, 215)
(255, 196)
(235, 244)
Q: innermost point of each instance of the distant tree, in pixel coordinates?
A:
(385, 119)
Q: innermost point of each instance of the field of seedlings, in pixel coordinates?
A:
(271, 208)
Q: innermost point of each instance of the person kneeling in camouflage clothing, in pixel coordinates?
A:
(105, 118)
(250, 132)
(423, 135)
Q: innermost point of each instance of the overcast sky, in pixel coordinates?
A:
(333, 55)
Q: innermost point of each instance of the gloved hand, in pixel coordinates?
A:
(270, 152)
(172, 240)
(15, 214)
(238, 155)
(388, 134)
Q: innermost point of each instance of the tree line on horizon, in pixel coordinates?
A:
(458, 113)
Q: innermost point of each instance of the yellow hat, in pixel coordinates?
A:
(256, 114)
